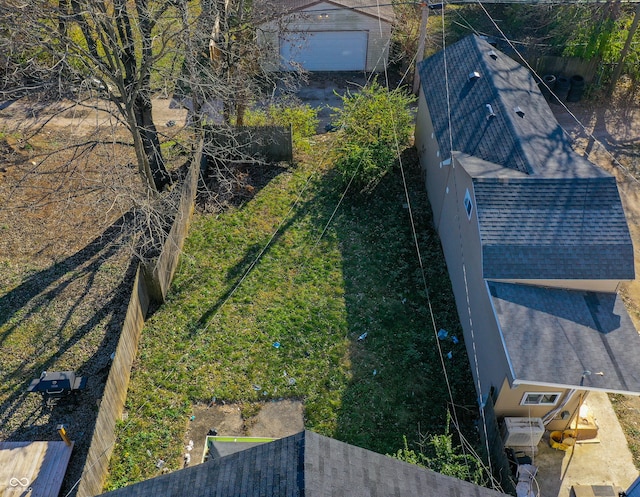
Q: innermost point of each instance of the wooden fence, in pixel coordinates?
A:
(159, 273)
(151, 283)
(244, 143)
(497, 455)
(115, 393)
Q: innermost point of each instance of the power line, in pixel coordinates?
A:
(440, 5)
(426, 287)
(256, 260)
(253, 264)
(624, 169)
(451, 171)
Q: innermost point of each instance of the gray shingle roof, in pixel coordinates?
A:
(306, 464)
(553, 336)
(270, 9)
(566, 228)
(544, 212)
(534, 143)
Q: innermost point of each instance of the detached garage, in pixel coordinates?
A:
(344, 35)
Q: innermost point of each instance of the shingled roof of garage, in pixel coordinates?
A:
(277, 8)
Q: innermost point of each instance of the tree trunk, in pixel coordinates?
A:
(625, 50)
(150, 142)
(424, 17)
(143, 161)
(142, 101)
(64, 9)
(240, 109)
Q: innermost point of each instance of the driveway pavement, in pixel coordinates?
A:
(607, 462)
(323, 92)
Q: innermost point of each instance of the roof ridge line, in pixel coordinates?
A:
(498, 95)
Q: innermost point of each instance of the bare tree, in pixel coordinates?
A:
(126, 50)
(112, 46)
(238, 57)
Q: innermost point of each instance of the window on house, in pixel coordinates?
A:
(540, 399)
(468, 205)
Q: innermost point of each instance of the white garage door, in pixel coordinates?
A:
(325, 50)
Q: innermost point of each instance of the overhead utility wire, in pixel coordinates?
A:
(414, 233)
(255, 261)
(440, 5)
(423, 274)
(360, 163)
(229, 295)
(193, 343)
(464, 269)
(624, 169)
(466, 445)
(380, 57)
(237, 285)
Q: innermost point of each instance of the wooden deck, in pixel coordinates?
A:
(33, 469)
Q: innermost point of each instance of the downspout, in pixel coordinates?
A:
(552, 413)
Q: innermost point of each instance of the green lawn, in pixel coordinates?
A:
(314, 295)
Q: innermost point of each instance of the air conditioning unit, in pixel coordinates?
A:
(522, 432)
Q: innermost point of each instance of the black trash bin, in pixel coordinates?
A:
(562, 89)
(547, 85)
(577, 88)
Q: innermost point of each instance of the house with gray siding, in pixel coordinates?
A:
(534, 235)
(304, 465)
(325, 35)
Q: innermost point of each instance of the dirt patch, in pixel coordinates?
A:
(65, 276)
(8, 155)
(277, 419)
(233, 184)
(627, 409)
(80, 119)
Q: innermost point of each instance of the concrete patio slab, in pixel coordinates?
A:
(607, 462)
(275, 419)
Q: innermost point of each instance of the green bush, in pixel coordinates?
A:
(303, 120)
(445, 458)
(374, 124)
(365, 163)
(255, 117)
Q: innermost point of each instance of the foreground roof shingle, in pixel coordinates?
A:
(304, 465)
